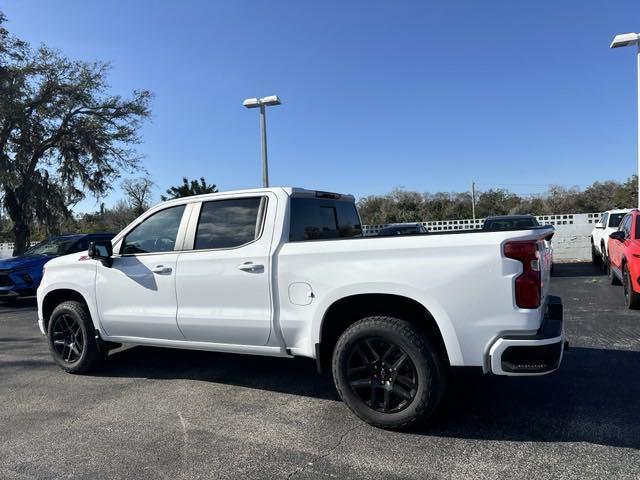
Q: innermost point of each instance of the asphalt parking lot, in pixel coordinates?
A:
(156, 413)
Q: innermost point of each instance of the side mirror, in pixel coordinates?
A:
(599, 225)
(618, 235)
(101, 250)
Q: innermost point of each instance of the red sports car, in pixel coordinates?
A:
(624, 257)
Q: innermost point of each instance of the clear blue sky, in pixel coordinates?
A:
(378, 94)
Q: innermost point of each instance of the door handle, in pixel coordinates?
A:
(161, 270)
(251, 267)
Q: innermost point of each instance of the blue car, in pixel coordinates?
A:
(21, 275)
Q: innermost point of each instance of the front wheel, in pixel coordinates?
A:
(631, 298)
(595, 258)
(72, 339)
(389, 373)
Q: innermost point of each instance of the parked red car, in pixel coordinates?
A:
(624, 257)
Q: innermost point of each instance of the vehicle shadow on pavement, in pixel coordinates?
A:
(592, 398)
(577, 270)
(295, 376)
(18, 304)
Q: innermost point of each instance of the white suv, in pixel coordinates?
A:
(608, 223)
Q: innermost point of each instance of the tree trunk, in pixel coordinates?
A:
(22, 235)
(14, 204)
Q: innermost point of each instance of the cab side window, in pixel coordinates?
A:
(155, 234)
(229, 223)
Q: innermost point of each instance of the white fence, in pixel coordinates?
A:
(6, 249)
(570, 243)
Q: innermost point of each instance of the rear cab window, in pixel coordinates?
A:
(323, 218)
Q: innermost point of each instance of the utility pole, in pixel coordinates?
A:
(473, 202)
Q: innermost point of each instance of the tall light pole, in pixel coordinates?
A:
(626, 40)
(473, 202)
(263, 103)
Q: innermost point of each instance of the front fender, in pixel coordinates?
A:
(79, 277)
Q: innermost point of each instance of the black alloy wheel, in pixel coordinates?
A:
(68, 340)
(382, 375)
(74, 343)
(389, 372)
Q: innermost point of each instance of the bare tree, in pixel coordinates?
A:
(139, 192)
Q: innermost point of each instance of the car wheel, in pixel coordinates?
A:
(595, 258)
(612, 276)
(631, 298)
(389, 373)
(604, 258)
(72, 338)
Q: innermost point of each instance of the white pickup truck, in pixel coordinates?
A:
(286, 272)
(608, 224)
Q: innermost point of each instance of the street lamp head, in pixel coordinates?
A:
(256, 102)
(625, 40)
(270, 100)
(251, 103)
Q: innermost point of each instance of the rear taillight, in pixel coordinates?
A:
(529, 283)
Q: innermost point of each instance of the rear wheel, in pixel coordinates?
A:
(631, 298)
(389, 373)
(613, 279)
(604, 258)
(595, 258)
(72, 339)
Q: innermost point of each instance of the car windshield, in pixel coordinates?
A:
(615, 218)
(53, 246)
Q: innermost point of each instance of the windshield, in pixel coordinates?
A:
(54, 246)
(615, 218)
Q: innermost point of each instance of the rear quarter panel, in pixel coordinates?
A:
(462, 280)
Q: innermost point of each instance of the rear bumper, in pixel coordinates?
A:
(536, 354)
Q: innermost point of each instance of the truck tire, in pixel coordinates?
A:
(72, 338)
(389, 373)
(631, 298)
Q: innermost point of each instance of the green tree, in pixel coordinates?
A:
(62, 135)
(496, 202)
(189, 188)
